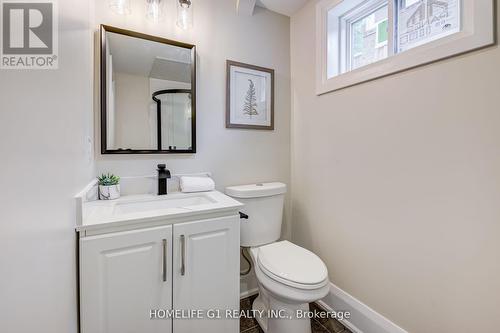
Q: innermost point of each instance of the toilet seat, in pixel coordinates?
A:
(292, 265)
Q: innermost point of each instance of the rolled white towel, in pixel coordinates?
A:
(191, 184)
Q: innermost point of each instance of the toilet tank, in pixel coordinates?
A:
(264, 207)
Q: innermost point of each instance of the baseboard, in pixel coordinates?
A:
(248, 293)
(248, 285)
(363, 318)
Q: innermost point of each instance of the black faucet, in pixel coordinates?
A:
(163, 175)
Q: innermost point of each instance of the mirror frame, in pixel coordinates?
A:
(134, 34)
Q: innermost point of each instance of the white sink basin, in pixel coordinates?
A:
(145, 207)
(161, 203)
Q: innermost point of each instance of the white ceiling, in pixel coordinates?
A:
(138, 56)
(285, 7)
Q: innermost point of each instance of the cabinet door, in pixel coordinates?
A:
(206, 273)
(123, 276)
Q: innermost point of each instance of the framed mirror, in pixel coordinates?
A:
(148, 94)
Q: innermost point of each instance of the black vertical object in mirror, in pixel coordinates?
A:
(158, 113)
(104, 91)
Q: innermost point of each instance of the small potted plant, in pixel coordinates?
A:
(109, 187)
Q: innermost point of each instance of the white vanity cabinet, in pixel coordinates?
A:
(206, 272)
(123, 276)
(181, 266)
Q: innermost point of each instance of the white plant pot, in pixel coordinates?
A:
(109, 192)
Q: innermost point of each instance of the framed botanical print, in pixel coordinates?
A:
(249, 96)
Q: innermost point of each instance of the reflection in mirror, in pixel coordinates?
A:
(149, 94)
(174, 114)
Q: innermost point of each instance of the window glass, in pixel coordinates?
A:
(423, 21)
(408, 3)
(362, 32)
(369, 37)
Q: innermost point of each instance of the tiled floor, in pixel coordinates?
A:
(250, 325)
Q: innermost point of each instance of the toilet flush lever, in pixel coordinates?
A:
(243, 216)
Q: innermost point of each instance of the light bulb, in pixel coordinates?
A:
(184, 14)
(121, 7)
(155, 10)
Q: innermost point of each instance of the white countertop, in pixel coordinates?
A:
(137, 209)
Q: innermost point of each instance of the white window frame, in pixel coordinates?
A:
(346, 21)
(477, 31)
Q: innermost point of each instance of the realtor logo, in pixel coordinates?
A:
(29, 35)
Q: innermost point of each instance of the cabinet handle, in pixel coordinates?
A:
(164, 268)
(183, 255)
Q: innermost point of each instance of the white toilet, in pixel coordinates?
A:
(289, 276)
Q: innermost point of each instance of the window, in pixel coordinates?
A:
(422, 21)
(359, 40)
(367, 36)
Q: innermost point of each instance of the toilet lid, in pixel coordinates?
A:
(293, 263)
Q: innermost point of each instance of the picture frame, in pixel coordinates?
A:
(249, 96)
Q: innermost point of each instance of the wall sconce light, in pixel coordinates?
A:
(155, 10)
(121, 7)
(184, 14)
